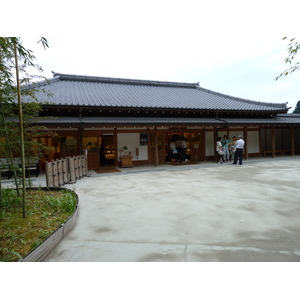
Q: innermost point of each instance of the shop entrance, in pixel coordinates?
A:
(101, 150)
(193, 145)
(107, 150)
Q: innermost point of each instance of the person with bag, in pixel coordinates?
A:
(219, 150)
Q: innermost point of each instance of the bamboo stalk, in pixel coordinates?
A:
(21, 131)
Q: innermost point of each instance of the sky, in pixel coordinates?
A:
(231, 47)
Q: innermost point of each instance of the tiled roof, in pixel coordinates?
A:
(74, 90)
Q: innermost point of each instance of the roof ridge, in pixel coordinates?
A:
(124, 80)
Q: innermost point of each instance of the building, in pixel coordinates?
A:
(137, 119)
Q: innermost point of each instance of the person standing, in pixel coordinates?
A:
(103, 161)
(225, 142)
(232, 148)
(219, 150)
(239, 150)
(172, 150)
(183, 150)
(178, 144)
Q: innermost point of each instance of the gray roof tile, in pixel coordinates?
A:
(124, 93)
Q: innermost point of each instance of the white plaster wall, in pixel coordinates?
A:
(132, 141)
(253, 142)
(210, 144)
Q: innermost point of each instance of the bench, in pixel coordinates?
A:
(31, 166)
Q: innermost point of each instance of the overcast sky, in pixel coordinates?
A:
(231, 47)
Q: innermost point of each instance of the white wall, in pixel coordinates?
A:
(210, 144)
(253, 142)
(132, 141)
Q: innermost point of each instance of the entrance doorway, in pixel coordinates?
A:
(193, 143)
(107, 150)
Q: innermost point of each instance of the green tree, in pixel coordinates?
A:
(297, 108)
(15, 62)
(292, 49)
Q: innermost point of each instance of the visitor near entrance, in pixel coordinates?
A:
(178, 145)
(225, 142)
(239, 150)
(232, 148)
(172, 151)
(219, 150)
(183, 150)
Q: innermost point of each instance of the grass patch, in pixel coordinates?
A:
(46, 211)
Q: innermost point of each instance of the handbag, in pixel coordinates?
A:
(220, 151)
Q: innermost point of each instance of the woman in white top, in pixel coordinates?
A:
(219, 150)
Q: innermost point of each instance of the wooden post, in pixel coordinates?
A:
(80, 131)
(116, 146)
(246, 144)
(156, 146)
(273, 141)
(215, 141)
(293, 141)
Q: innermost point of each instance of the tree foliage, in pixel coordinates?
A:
(292, 49)
(297, 108)
(15, 63)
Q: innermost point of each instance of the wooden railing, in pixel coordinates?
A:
(66, 170)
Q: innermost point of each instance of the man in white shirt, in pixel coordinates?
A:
(239, 150)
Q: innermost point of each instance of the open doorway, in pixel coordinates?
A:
(107, 150)
(190, 155)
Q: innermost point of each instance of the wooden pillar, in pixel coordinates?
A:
(273, 141)
(259, 141)
(292, 140)
(156, 146)
(116, 146)
(149, 147)
(80, 133)
(246, 144)
(215, 142)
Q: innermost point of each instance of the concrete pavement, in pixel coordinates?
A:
(195, 213)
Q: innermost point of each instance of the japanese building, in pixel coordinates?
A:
(137, 119)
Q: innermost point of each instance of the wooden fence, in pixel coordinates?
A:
(66, 170)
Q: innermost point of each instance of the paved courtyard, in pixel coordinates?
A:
(191, 213)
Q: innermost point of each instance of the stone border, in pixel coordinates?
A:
(39, 253)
